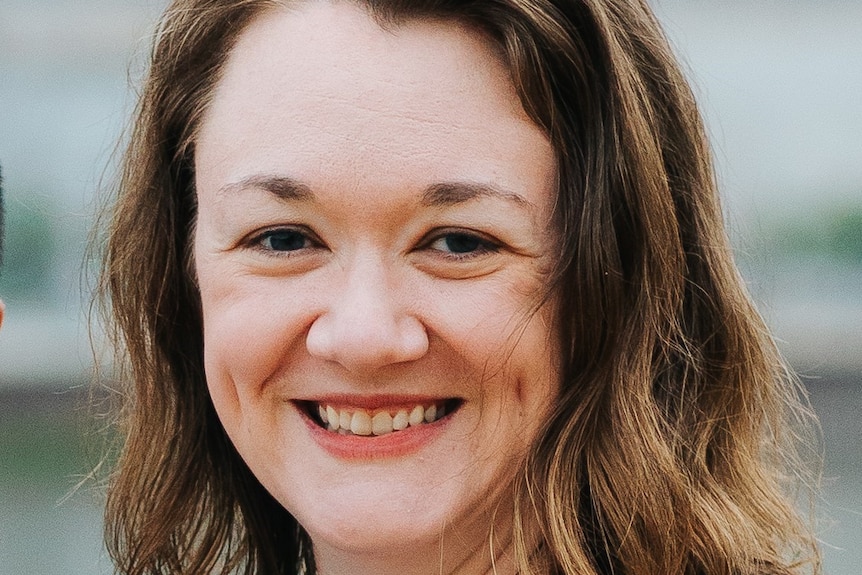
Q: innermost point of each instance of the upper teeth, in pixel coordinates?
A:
(362, 422)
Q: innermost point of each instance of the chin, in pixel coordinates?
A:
(381, 506)
(387, 513)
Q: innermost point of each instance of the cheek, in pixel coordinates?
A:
(531, 365)
(499, 327)
(249, 329)
(513, 350)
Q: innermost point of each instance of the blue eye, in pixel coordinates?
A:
(283, 240)
(459, 244)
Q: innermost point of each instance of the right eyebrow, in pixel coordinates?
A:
(283, 187)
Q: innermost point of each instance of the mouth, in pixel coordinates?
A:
(351, 420)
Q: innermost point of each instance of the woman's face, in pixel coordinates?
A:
(372, 238)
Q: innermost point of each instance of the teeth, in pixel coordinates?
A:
(416, 416)
(381, 423)
(322, 412)
(400, 421)
(344, 419)
(362, 422)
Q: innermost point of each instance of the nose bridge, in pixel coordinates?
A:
(368, 301)
(366, 323)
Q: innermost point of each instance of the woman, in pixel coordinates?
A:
(435, 287)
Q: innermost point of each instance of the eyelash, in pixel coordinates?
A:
(479, 244)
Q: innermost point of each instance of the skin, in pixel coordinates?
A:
(373, 228)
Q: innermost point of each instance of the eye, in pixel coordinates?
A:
(461, 245)
(284, 240)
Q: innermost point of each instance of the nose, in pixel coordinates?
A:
(366, 324)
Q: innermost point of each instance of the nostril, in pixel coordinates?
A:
(413, 338)
(317, 341)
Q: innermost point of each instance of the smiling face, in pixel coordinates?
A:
(372, 236)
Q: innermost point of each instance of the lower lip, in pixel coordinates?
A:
(395, 444)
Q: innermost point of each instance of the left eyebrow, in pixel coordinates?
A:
(451, 193)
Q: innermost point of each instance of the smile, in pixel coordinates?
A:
(346, 420)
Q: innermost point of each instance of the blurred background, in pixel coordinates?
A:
(780, 84)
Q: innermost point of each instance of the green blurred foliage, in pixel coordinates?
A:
(834, 233)
(30, 249)
(43, 449)
(845, 238)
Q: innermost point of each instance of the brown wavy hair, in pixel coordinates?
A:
(671, 446)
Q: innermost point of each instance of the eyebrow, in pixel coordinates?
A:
(451, 193)
(282, 187)
(436, 195)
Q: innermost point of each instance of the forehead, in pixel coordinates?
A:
(321, 88)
